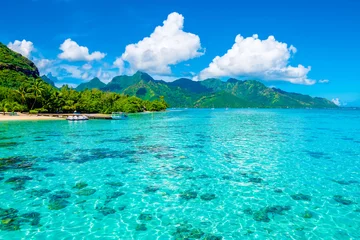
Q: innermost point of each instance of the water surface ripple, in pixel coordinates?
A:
(186, 174)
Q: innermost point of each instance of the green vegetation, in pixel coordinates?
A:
(21, 89)
(212, 93)
(92, 84)
(21, 76)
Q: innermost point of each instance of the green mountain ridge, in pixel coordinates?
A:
(22, 89)
(15, 69)
(94, 83)
(212, 92)
(48, 80)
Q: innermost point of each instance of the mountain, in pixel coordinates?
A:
(211, 92)
(47, 80)
(120, 83)
(92, 84)
(15, 69)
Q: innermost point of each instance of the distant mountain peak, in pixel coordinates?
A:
(143, 76)
(92, 84)
(232, 80)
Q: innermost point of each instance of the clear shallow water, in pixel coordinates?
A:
(236, 174)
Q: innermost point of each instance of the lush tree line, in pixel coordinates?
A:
(35, 95)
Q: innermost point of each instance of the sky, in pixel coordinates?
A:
(310, 47)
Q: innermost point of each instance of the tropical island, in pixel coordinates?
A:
(22, 89)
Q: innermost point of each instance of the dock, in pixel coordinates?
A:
(65, 115)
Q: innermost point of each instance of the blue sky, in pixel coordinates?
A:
(321, 36)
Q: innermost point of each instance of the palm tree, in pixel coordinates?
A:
(22, 94)
(36, 88)
(4, 106)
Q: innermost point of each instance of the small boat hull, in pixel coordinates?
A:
(77, 118)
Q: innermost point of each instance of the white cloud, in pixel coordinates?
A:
(105, 75)
(251, 57)
(73, 52)
(165, 78)
(167, 45)
(87, 66)
(336, 101)
(324, 81)
(23, 47)
(44, 65)
(73, 71)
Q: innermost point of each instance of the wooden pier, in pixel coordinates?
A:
(65, 115)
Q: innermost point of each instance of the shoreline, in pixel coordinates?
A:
(26, 117)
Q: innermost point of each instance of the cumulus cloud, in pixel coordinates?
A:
(105, 75)
(324, 81)
(87, 66)
(44, 65)
(336, 101)
(167, 45)
(23, 47)
(251, 57)
(73, 52)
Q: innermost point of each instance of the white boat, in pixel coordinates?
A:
(77, 118)
(118, 116)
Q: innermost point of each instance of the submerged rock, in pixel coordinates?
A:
(115, 184)
(106, 210)
(278, 209)
(145, 217)
(121, 207)
(60, 194)
(212, 237)
(38, 192)
(226, 177)
(301, 197)
(262, 214)
(8, 144)
(86, 192)
(31, 215)
(34, 216)
(151, 189)
(80, 185)
(8, 213)
(248, 211)
(255, 180)
(187, 195)
(49, 175)
(141, 227)
(19, 187)
(307, 214)
(208, 196)
(9, 220)
(57, 204)
(277, 190)
(184, 168)
(115, 195)
(185, 231)
(19, 179)
(343, 182)
(343, 200)
(203, 176)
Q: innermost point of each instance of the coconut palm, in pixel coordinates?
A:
(22, 93)
(4, 106)
(36, 89)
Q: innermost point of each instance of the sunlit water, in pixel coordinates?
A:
(187, 174)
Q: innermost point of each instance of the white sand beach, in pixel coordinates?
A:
(25, 117)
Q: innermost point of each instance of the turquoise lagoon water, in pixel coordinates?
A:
(187, 174)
